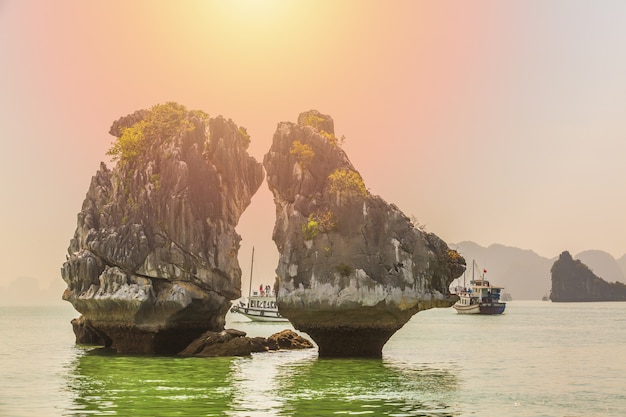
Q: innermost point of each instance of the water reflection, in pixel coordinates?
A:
(111, 384)
(365, 386)
(257, 382)
(293, 383)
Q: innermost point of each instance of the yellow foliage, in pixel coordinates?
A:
(303, 152)
(313, 120)
(243, 132)
(161, 122)
(130, 143)
(322, 221)
(202, 115)
(454, 255)
(310, 229)
(330, 137)
(326, 220)
(347, 182)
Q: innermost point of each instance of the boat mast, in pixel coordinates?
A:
(473, 263)
(251, 266)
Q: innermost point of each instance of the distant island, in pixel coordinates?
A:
(573, 281)
(526, 274)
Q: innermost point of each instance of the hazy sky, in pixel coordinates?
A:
(491, 121)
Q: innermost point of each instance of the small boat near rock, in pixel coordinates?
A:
(480, 297)
(259, 306)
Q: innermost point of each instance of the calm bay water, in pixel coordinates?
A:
(538, 359)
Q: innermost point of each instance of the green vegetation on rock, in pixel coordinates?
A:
(303, 152)
(245, 136)
(332, 139)
(347, 182)
(344, 270)
(160, 123)
(454, 255)
(155, 179)
(313, 120)
(322, 221)
(325, 219)
(130, 144)
(310, 229)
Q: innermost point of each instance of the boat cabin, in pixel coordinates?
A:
(262, 302)
(485, 291)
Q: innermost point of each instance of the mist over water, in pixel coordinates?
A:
(540, 358)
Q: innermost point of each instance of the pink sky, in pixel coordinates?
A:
(491, 121)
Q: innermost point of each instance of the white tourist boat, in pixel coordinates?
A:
(259, 306)
(480, 297)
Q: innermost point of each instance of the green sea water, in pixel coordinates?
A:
(538, 359)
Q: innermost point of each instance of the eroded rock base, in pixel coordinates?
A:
(86, 334)
(132, 339)
(354, 342)
(160, 342)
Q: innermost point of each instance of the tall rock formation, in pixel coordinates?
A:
(574, 281)
(353, 269)
(153, 262)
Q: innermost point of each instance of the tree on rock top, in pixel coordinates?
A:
(161, 122)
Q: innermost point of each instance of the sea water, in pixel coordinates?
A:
(538, 359)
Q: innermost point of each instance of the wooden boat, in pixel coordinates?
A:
(480, 297)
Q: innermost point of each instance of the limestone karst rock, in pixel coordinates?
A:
(574, 281)
(353, 269)
(153, 261)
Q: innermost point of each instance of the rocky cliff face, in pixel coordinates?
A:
(153, 262)
(574, 281)
(353, 269)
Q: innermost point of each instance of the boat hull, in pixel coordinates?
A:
(467, 309)
(492, 308)
(465, 306)
(259, 315)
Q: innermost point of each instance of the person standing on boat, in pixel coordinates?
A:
(261, 290)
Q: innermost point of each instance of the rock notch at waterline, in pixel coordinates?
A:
(353, 269)
(153, 261)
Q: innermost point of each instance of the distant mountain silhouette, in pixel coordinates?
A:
(622, 264)
(603, 265)
(523, 273)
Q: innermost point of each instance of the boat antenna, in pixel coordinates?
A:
(473, 263)
(251, 266)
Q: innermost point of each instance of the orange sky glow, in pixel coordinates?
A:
(490, 121)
